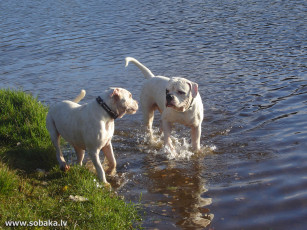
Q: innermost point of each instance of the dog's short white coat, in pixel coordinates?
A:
(89, 127)
(184, 105)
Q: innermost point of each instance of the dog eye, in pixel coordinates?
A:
(181, 92)
(167, 91)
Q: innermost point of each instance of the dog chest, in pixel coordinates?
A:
(106, 132)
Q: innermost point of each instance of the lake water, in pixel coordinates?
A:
(249, 59)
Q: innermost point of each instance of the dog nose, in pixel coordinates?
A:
(136, 105)
(169, 97)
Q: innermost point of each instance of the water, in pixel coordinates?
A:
(249, 59)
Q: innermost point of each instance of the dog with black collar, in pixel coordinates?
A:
(89, 126)
(178, 101)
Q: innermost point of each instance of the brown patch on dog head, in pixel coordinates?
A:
(124, 103)
(115, 94)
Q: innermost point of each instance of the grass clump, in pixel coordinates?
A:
(28, 195)
(24, 139)
(8, 180)
(22, 120)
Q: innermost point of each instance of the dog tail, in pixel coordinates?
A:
(147, 73)
(80, 96)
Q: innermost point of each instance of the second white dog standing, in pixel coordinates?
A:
(178, 101)
(89, 126)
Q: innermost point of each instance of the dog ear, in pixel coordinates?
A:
(194, 89)
(115, 94)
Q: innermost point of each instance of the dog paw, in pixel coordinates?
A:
(108, 185)
(197, 151)
(111, 172)
(65, 168)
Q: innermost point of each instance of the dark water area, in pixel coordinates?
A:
(249, 59)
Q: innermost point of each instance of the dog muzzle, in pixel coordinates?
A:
(169, 99)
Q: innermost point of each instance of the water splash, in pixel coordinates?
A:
(183, 149)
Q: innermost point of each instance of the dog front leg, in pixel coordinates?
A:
(108, 152)
(195, 137)
(94, 155)
(167, 129)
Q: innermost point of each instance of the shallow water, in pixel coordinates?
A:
(249, 59)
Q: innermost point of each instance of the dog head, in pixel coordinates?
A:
(180, 93)
(123, 102)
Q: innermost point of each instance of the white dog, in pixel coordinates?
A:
(89, 126)
(176, 98)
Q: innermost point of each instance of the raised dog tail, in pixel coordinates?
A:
(80, 96)
(147, 73)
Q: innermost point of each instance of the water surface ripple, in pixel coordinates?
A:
(249, 59)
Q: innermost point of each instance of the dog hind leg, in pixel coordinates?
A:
(148, 117)
(55, 139)
(80, 154)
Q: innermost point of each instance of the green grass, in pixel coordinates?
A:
(46, 197)
(28, 195)
(8, 180)
(24, 139)
(22, 120)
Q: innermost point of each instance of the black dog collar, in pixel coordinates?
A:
(112, 114)
(191, 103)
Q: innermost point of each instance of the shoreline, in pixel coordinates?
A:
(32, 187)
